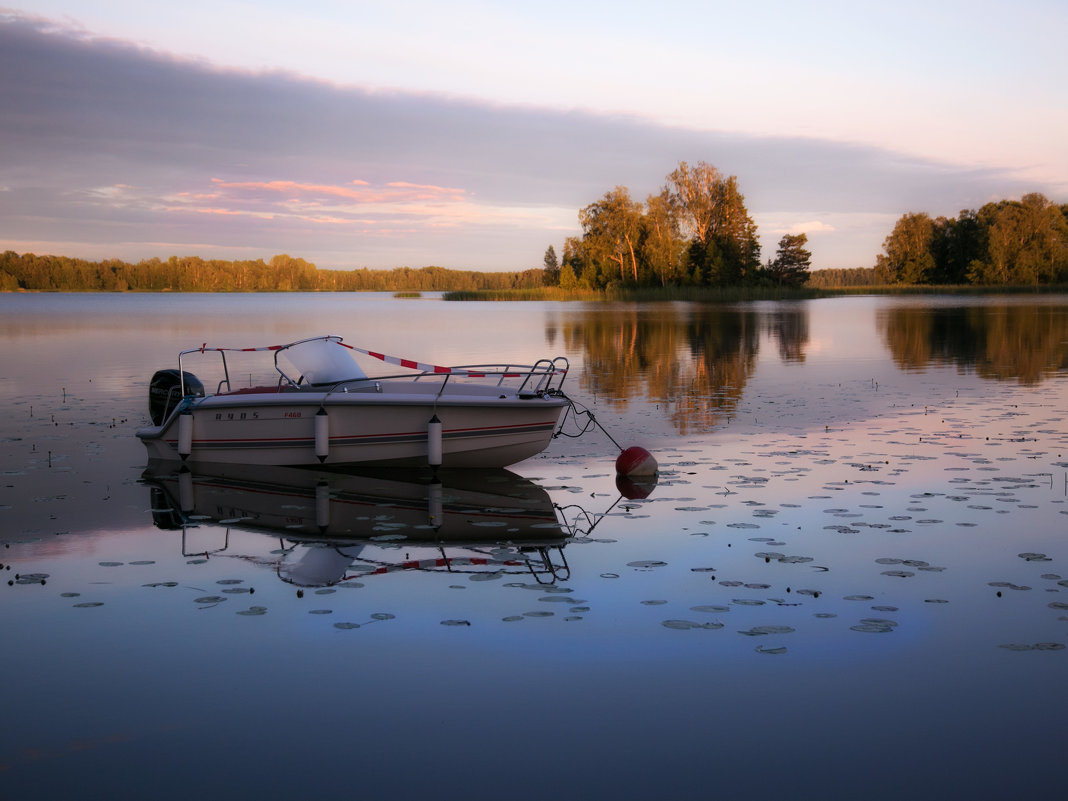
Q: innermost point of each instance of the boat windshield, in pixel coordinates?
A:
(319, 361)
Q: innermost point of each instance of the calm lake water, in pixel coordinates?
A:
(851, 580)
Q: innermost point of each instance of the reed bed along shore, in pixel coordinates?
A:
(737, 294)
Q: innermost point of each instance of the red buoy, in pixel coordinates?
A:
(635, 461)
(637, 488)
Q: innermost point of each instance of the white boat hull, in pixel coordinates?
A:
(480, 427)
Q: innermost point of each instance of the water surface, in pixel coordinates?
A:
(850, 580)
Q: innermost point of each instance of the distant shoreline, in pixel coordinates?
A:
(671, 293)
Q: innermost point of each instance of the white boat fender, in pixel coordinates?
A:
(187, 500)
(434, 504)
(433, 442)
(636, 461)
(322, 506)
(322, 434)
(185, 433)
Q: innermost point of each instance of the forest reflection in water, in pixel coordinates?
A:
(697, 360)
(1025, 343)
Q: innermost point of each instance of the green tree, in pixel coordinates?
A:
(611, 227)
(552, 267)
(908, 258)
(792, 261)
(568, 279)
(724, 248)
(662, 248)
(955, 244)
(1027, 242)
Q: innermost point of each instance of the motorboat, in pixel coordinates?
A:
(339, 524)
(318, 406)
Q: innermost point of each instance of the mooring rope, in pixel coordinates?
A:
(574, 411)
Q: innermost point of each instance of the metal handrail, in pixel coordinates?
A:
(547, 374)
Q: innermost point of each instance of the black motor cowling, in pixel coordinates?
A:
(165, 391)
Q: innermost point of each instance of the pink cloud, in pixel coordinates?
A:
(358, 190)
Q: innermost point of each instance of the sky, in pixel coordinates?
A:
(469, 134)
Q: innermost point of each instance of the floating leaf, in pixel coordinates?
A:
(873, 621)
(1038, 646)
(872, 628)
(760, 631)
(679, 624)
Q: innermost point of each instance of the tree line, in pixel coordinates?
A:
(282, 273)
(1009, 242)
(695, 232)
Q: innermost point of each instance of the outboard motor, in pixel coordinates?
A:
(165, 392)
(164, 513)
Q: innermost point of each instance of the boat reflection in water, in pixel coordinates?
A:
(335, 526)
